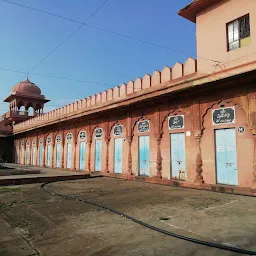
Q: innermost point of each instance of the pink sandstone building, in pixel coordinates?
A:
(192, 125)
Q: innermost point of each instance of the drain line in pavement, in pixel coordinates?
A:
(165, 232)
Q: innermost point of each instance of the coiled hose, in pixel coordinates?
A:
(165, 232)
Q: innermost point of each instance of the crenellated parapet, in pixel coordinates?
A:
(178, 71)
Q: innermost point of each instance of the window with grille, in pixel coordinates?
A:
(238, 33)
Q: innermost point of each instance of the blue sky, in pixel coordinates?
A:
(92, 55)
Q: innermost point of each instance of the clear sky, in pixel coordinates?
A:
(91, 55)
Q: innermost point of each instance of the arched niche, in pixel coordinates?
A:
(244, 141)
(177, 121)
(118, 148)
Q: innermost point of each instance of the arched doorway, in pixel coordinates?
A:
(27, 152)
(41, 151)
(69, 139)
(49, 151)
(17, 160)
(118, 148)
(143, 131)
(58, 151)
(82, 150)
(22, 153)
(98, 150)
(34, 152)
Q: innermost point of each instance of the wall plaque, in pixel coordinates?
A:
(176, 122)
(223, 116)
(143, 126)
(118, 130)
(98, 133)
(240, 129)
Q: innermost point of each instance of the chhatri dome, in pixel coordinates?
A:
(26, 87)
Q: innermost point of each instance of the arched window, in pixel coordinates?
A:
(22, 110)
(30, 111)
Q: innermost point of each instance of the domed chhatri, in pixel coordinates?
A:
(26, 87)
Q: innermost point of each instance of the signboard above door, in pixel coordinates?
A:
(118, 130)
(143, 126)
(175, 122)
(223, 116)
(98, 133)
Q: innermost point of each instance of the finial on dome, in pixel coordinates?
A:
(27, 78)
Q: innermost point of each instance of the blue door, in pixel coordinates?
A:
(49, 155)
(22, 155)
(27, 155)
(226, 156)
(98, 155)
(178, 156)
(118, 158)
(41, 155)
(69, 155)
(34, 156)
(144, 155)
(58, 155)
(82, 156)
(17, 155)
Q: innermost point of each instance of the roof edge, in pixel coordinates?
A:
(190, 11)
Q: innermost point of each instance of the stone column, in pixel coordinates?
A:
(199, 162)
(74, 164)
(53, 148)
(254, 163)
(89, 155)
(159, 158)
(62, 150)
(129, 140)
(44, 151)
(107, 156)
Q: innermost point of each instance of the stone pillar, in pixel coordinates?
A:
(107, 156)
(199, 162)
(53, 148)
(129, 140)
(89, 155)
(254, 164)
(62, 150)
(74, 164)
(44, 150)
(159, 158)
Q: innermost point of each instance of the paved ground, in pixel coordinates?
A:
(34, 222)
(44, 172)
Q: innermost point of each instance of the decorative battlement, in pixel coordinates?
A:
(118, 92)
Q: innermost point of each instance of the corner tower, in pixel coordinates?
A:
(25, 101)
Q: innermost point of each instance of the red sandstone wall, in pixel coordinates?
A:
(245, 141)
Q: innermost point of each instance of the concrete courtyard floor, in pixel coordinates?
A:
(34, 222)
